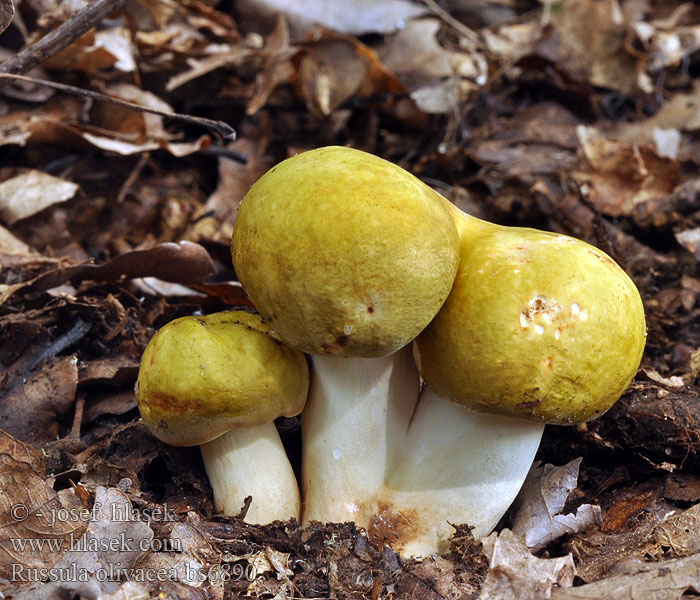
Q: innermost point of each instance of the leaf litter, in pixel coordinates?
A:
(115, 221)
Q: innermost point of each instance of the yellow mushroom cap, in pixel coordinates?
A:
(344, 253)
(537, 325)
(201, 376)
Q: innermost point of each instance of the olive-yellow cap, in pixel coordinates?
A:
(201, 376)
(344, 253)
(537, 325)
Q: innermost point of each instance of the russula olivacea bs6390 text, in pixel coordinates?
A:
(348, 257)
(219, 381)
(538, 328)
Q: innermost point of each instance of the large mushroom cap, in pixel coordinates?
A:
(537, 325)
(201, 376)
(344, 253)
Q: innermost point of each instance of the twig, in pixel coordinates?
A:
(61, 37)
(223, 129)
(468, 33)
(77, 417)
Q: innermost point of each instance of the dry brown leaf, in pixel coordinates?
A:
(617, 177)
(37, 526)
(22, 452)
(333, 68)
(7, 13)
(29, 193)
(31, 408)
(182, 262)
(193, 559)
(515, 574)
(667, 580)
(9, 244)
(595, 53)
(538, 517)
(438, 80)
(115, 371)
(96, 53)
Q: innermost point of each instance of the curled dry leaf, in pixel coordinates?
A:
(31, 535)
(539, 504)
(333, 68)
(515, 574)
(181, 262)
(29, 193)
(97, 52)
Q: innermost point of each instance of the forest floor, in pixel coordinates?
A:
(575, 116)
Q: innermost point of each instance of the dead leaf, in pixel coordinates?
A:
(9, 244)
(7, 13)
(618, 177)
(670, 580)
(182, 262)
(438, 79)
(333, 68)
(678, 535)
(29, 193)
(541, 500)
(515, 574)
(31, 408)
(366, 16)
(37, 527)
(595, 53)
(96, 52)
(22, 452)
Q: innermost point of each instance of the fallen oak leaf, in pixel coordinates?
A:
(181, 262)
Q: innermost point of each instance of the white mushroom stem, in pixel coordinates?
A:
(251, 461)
(353, 429)
(458, 466)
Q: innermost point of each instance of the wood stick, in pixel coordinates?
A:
(61, 37)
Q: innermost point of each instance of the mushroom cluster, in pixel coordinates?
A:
(358, 263)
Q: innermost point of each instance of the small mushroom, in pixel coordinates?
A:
(219, 381)
(348, 257)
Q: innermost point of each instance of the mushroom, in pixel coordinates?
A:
(219, 381)
(538, 328)
(348, 257)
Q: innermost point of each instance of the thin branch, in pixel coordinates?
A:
(220, 127)
(61, 37)
(468, 33)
